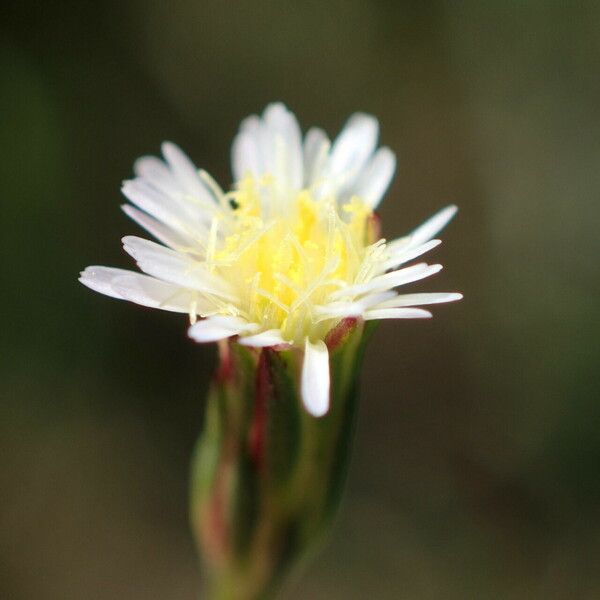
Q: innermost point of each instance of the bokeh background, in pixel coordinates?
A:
(476, 470)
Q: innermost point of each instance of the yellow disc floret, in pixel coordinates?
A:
(283, 256)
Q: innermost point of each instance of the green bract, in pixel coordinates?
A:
(267, 476)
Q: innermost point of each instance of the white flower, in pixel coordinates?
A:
(286, 254)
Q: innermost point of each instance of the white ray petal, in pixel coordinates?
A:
(286, 139)
(315, 378)
(398, 245)
(218, 328)
(153, 293)
(264, 339)
(432, 226)
(100, 279)
(154, 202)
(337, 310)
(250, 125)
(405, 254)
(155, 172)
(316, 148)
(397, 313)
(175, 267)
(406, 275)
(375, 178)
(160, 231)
(245, 156)
(188, 220)
(145, 251)
(389, 280)
(420, 299)
(354, 145)
(349, 153)
(376, 299)
(138, 288)
(185, 171)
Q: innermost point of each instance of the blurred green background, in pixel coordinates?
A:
(476, 470)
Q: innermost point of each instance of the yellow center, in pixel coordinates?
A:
(283, 258)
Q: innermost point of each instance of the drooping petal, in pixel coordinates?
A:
(315, 378)
(213, 329)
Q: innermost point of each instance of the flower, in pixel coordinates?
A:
(283, 257)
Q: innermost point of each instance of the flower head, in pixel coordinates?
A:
(284, 256)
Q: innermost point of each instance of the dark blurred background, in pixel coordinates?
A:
(476, 470)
